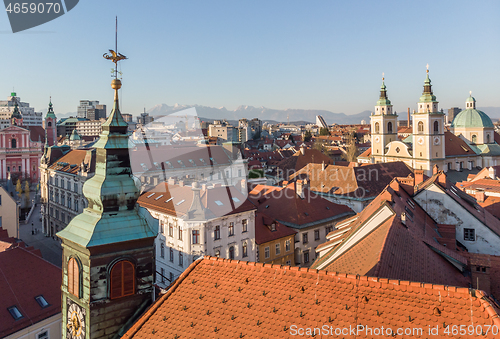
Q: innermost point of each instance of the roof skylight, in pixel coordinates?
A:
(149, 196)
(15, 313)
(41, 301)
(180, 202)
(218, 202)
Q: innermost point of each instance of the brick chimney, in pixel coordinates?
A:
(419, 176)
(480, 195)
(303, 149)
(435, 169)
(480, 271)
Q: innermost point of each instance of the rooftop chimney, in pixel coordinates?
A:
(408, 124)
(492, 173)
(419, 176)
(435, 169)
(323, 166)
(303, 149)
(480, 195)
(300, 185)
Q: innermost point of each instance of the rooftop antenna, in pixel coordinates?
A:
(115, 56)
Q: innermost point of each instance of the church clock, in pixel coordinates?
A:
(436, 141)
(75, 326)
(420, 140)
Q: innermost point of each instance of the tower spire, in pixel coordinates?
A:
(383, 100)
(427, 95)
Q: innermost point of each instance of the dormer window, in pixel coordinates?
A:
(273, 227)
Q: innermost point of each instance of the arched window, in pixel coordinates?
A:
(436, 127)
(162, 250)
(14, 143)
(122, 279)
(487, 138)
(389, 127)
(420, 127)
(474, 138)
(231, 252)
(49, 124)
(377, 127)
(74, 277)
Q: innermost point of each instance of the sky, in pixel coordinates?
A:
(278, 54)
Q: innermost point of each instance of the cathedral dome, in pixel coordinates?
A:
(472, 117)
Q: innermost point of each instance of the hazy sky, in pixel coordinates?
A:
(279, 54)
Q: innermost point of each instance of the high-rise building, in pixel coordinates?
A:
(452, 113)
(30, 117)
(85, 105)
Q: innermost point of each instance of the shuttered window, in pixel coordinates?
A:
(122, 279)
(73, 277)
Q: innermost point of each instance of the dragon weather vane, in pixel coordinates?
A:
(115, 56)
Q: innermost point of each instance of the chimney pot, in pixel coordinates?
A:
(480, 196)
(419, 176)
(492, 173)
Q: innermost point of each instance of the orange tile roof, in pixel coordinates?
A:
(71, 162)
(366, 154)
(454, 146)
(219, 298)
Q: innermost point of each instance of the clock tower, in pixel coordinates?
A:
(428, 131)
(383, 125)
(108, 249)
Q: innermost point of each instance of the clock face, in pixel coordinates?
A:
(377, 139)
(436, 140)
(420, 140)
(75, 326)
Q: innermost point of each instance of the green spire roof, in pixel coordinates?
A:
(427, 95)
(50, 112)
(111, 216)
(383, 100)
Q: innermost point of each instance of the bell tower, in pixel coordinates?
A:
(108, 249)
(16, 119)
(428, 131)
(383, 124)
(50, 125)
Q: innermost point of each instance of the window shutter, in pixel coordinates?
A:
(116, 280)
(128, 278)
(71, 276)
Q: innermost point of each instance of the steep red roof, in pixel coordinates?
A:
(37, 133)
(218, 298)
(24, 276)
(357, 182)
(394, 249)
(366, 154)
(71, 162)
(454, 146)
(264, 234)
(278, 202)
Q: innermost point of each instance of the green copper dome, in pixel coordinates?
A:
(74, 136)
(472, 118)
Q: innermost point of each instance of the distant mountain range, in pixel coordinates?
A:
(301, 116)
(276, 115)
(263, 113)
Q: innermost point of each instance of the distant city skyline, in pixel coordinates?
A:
(285, 54)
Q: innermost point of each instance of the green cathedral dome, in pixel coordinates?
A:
(472, 117)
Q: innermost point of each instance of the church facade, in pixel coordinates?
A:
(471, 140)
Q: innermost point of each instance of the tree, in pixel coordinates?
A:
(307, 136)
(19, 188)
(27, 190)
(351, 151)
(324, 131)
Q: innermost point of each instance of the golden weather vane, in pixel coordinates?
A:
(115, 56)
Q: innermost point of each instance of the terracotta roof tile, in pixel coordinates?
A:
(263, 232)
(217, 298)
